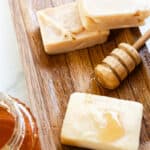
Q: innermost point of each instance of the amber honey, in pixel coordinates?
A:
(7, 125)
(113, 130)
(18, 129)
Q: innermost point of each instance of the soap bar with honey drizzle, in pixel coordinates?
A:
(100, 122)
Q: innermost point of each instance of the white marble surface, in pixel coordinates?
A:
(11, 73)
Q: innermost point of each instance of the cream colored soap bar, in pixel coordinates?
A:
(102, 123)
(113, 14)
(62, 30)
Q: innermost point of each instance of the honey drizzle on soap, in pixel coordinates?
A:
(113, 130)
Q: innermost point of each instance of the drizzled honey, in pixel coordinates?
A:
(113, 130)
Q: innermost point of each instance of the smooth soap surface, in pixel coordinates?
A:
(113, 14)
(62, 30)
(115, 7)
(100, 122)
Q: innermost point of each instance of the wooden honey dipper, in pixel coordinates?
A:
(121, 61)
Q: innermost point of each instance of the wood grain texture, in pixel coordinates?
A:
(51, 79)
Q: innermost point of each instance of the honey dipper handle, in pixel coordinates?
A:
(141, 41)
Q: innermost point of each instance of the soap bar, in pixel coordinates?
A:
(113, 14)
(100, 122)
(62, 30)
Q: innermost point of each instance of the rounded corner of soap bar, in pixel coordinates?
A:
(74, 94)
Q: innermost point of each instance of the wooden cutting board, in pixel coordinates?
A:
(51, 79)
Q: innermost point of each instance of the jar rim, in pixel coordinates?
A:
(18, 134)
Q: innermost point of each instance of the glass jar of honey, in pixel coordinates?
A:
(18, 129)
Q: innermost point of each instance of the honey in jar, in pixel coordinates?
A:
(18, 129)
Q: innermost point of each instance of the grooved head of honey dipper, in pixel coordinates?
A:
(131, 51)
(105, 76)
